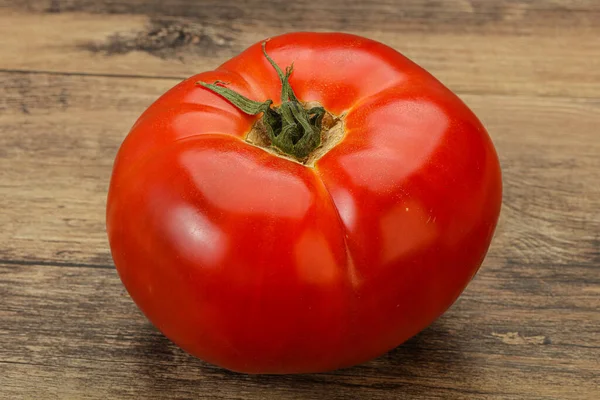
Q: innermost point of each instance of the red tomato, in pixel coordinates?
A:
(262, 264)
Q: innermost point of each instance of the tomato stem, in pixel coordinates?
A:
(291, 128)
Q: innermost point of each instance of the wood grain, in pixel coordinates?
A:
(77, 330)
(60, 136)
(555, 63)
(75, 74)
(469, 16)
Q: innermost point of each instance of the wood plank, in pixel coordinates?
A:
(474, 16)
(506, 47)
(55, 167)
(55, 170)
(538, 350)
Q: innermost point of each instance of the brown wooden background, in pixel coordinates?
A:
(75, 74)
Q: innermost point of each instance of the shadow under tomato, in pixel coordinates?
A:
(432, 355)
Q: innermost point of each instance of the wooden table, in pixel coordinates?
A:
(75, 74)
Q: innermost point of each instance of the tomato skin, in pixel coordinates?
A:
(263, 265)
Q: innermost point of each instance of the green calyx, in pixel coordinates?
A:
(290, 127)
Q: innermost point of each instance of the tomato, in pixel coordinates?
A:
(267, 259)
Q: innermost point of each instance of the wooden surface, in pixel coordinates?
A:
(75, 74)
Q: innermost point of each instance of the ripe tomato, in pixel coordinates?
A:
(323, 254)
